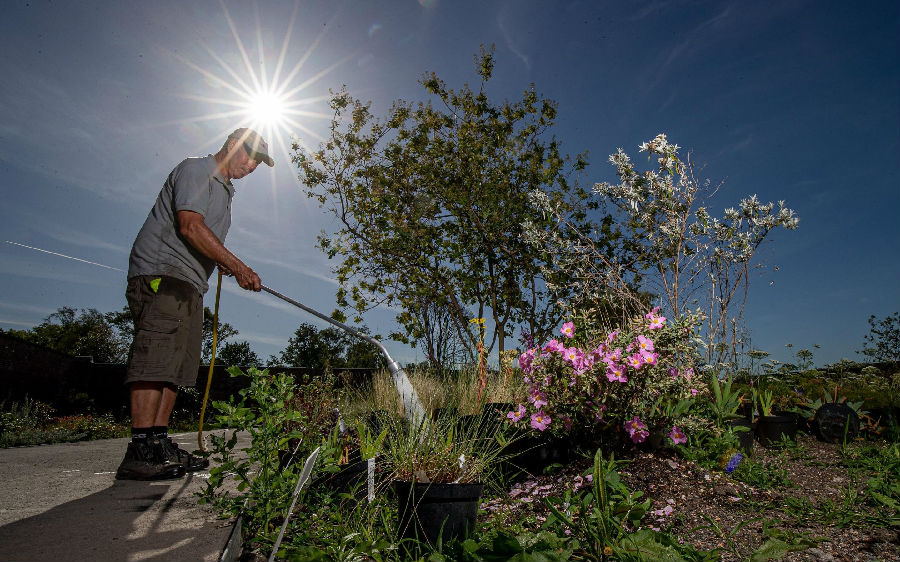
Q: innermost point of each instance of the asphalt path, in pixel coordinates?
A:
(62, 503)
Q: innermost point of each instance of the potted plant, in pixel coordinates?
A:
(773, 426)
(439, 468)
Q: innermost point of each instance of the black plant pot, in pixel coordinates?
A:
(427, 511)
(745, 438)
(771, 429)
(535, 453)
(833, 419)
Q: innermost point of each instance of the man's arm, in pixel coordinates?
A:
(195, 231)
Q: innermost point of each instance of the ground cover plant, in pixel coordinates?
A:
(31, 422)
(703, 499)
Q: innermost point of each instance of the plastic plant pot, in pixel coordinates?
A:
(428, 510)
(771, 429)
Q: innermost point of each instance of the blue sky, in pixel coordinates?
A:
(793, 100)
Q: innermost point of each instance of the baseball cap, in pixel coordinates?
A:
(254, 144)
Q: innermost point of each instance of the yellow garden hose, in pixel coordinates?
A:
(212, 362)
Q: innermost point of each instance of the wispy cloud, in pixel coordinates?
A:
(11, 322)
(503, 26)
(40, 310)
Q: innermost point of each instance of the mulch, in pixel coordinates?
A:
(700, 500)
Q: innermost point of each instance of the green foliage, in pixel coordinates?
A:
(446, 449)
(82, 332)
(762, 475)
(766, 401)
(780, 542)
(330, 348)
(237, 354)
(725, 400)
(601, 520)
(264, 488)
(882, 343)
(224, 330)
(430, 203)
(31, 422)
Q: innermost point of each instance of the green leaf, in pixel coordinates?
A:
(772, 549)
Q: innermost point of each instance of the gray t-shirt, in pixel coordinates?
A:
(194, 185)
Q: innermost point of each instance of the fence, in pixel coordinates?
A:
(76, 384)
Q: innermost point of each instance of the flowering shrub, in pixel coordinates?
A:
(630, 374)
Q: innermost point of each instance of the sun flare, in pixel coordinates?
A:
(258, 96)
(267, 110)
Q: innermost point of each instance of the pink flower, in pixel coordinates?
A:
(644, 344)
(650, 358)
(568, 329)
(673, 372)
(677, 436)
(612, 336)
(689, 374)
(537, 399)
(573, 355)
(517, 415)
(637, 430)
(540, 421)
(694, 392)
(652, 313)
(657, 322)
(640, 436)
(636, 361)
(526, 361)
(554, 346)
(614, 356)
(616, 372)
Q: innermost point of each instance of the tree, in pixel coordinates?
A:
(882, 343)
(309, 347)
(672, 247)
(238, 353)
(430, 203)
(80, 332)
(360, 354)
(223, 332)
(330, 348)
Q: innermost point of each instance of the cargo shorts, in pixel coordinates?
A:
(168, 330)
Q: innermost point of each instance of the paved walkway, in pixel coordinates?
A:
(62, 503)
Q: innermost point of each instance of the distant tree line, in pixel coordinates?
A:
(107, 337)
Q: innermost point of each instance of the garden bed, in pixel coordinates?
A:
(807, 497)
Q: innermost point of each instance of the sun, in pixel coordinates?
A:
(258, 96)
(267, 110)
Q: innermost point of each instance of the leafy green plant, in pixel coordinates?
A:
(369, 445)
(780, 542)
(264, 487)
(443, 450)
(766, 401)
(762, 475)
(725, 401)
(602, 520)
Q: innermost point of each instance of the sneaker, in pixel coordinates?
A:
(175, 454)
(144, 461)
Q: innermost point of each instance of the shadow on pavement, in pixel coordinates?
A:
(128, 521)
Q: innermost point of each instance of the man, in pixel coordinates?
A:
(171, 260)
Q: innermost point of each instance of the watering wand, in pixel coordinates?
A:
(411, 405)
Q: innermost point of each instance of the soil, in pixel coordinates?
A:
(698, 497)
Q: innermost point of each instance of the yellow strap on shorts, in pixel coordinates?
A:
(155, 284)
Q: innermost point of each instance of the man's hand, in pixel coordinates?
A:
(247, 278)
(194, 229)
